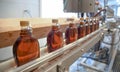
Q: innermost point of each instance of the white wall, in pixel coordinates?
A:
(54, 9)
(15, 8)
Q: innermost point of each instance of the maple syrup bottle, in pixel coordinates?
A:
(94, 24)
(81, 28)
(71, 33)
(55, 38)
(91, 26)
(87, 26)
(97, 23)
(26, 48)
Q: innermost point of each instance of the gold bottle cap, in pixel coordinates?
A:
(81, 18)
(97, 3)
(24, 23)
(70, 19)
(71, 24)
(87, 18)
(54, 20)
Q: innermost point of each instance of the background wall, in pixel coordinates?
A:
(18, 8)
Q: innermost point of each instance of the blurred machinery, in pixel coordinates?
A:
(79, 6)
(109, 12)
(101, 57)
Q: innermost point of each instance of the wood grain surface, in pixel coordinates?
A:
(10, 29)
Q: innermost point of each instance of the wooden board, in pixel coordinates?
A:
(10, 29)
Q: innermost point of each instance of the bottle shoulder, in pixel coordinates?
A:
(26, 43)
(27, 39)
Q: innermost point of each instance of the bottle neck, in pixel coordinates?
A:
(57, 26)
(86, 21)
(26, 31)
(81, 22)
(71, 25)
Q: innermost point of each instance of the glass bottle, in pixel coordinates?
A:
(26, 48)
(91, 26)
(81, 28)
(55, 37)
(94, 23)
(71, 33)
(87, 26)
(97, 23)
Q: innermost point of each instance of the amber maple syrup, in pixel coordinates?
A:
(94, 23)
(55, 37)
(26, 47)
(87, 26)
(97, 23)
(91, 25)
(81, 28)
(71, 33)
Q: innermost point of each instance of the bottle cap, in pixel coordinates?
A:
(97, 3)
(71, 24)
(93, 18)
(70, 19)
(54, 20)
(24, 23)
(87, 18)
(81, 18)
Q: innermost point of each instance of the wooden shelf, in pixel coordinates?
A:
(10, 29)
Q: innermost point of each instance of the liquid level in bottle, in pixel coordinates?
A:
(81, 31)
(87, 30)
(54, 39)
(71, 35)
(25, 49)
